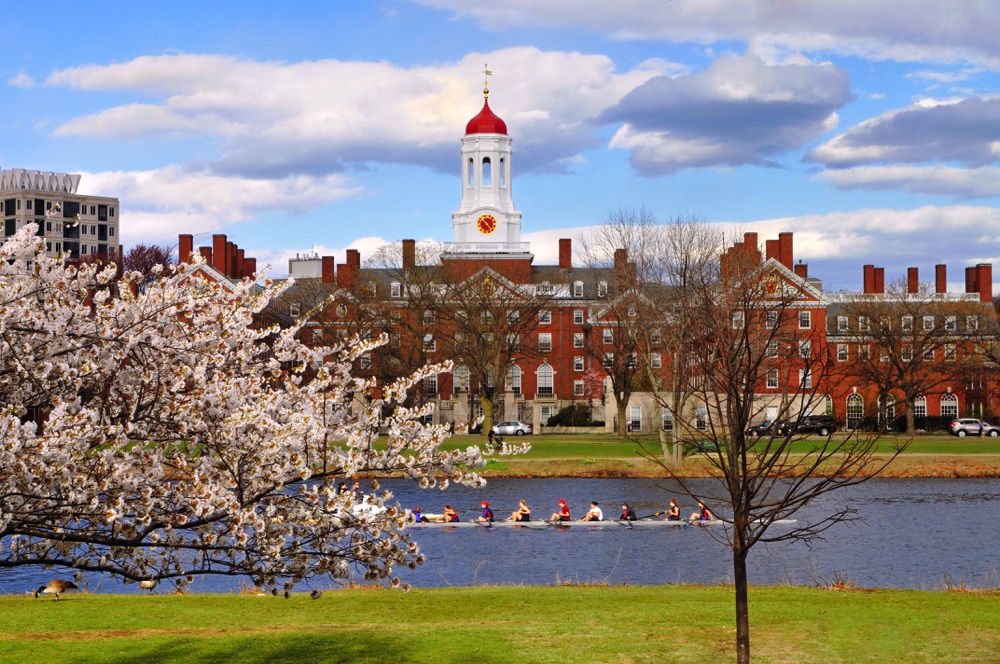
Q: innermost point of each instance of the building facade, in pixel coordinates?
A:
(71, 223)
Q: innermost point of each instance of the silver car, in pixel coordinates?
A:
(511, 428)
(969, 426)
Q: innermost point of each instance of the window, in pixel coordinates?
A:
(294, 309)
(462, 379)
(48, 226)
(545, 413)
(635, 418)
(545, 342)
(928, 355)
(771, 320)
(396, 289)
(513, 342)
(855, 410)
(29, 204)
(341, 310)
(631, 310)
(842, 353)
(577, 289)
(428, 317)
(805, 379)
(578, 388)
(578, 340)
(578, 363)
(544, 317)
(654, 360)
(772, 379)
(545, 380)
(656, 337)
(512, 383)
(920, 407)
(701, 418)
(545, 288)
(805, 320)
(578, 317)
(950, 325)
(907, 323)
(487, 170)
(513, 316)
(502, 174)
(863, 324)
(738, 320)
(633, 361)
(971, 323)
(949, 405)
(111, 231)
(772, 348)
(471, 173)
(928, 323)
(842, 323)
(667, 419)
(609, 360)
(949, 352)
(365, 361)
(394, 340)
(430, 343)
(602, 288)
(431, 385)
(608, 335)
(805, 348)
(907, 353)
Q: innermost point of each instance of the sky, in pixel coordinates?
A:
(868, 128)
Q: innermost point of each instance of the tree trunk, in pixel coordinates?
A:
(487, 405)
(911, 424)
(742, 607)
(622, 421)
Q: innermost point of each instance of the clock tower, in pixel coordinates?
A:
(486, 222)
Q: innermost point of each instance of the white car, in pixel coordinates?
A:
(512, 428)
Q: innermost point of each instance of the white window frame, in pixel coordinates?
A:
(395, 289)
(805, 320)
(771, 320)
(544, 317)
(928, 323)
(577, 289)
(843, 353)
(578, 340)
(842, 324)
(738, 320)
(608, 336)
(578, 316)
(578, 363)
(545, 342)
(654, 361)
(906, 323)
(546, 380)
(578, 388)
(772, 379)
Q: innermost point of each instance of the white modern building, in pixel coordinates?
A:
(70, 222)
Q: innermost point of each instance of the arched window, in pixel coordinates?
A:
(545, 374)
(487, 171)
(472, 172)
(920, 407)
(503, 173)
(949, 405)
(462, 379)
(855, 410)
(513, 381)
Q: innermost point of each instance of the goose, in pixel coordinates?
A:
(56, 587)
(148, 584)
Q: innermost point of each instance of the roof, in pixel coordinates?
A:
(486, 122)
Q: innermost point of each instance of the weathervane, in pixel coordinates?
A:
(486, 80)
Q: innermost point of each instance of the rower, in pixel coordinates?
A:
(562, 514)
(628, 513)
(595, 513)
(487, 516)
(703, 513)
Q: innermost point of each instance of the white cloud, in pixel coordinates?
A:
(22, 80)
(903, 30)
(940, 180)
(317, 116)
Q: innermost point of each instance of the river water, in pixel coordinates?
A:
(917, 533)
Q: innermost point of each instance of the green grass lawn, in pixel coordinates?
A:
(506, 624)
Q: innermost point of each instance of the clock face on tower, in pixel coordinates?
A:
(486, 224)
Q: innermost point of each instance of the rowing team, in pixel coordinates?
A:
(523, 513)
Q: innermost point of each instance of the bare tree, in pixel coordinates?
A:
(754, 325)
(911, 343)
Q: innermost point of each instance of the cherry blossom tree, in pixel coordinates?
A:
(158, 433)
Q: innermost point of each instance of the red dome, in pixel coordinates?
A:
(486, 122)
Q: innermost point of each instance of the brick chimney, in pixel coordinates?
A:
(409, 255)
(772, 250)
(250, 267)
(206, 254)
(880, 280)
(345, 274)
(565, 254)
(940, 278)
(802, 270)
(327, 272)
(219, 252)
(869, 271)
(984, 279)
(354, 258)
(185, 245)
(241, 257)
(970, 280)
(230, 259)
(750, 242)
(912, 282)
(785, 249)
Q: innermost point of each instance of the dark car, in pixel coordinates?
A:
(970, 426)
(512, 428)
(768, 428)
(824, 425)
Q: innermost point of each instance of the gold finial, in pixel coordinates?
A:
(486, 81)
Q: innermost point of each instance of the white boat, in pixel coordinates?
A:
(642, 523)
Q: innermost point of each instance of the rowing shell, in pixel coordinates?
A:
(585, 524)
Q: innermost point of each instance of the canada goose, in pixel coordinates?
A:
(148, 584)
(56, 587)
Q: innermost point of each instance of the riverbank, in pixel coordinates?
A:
(926, 456)
(506, 624)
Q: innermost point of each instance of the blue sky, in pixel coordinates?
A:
(869, 128)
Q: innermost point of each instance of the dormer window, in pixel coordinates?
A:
(577, 289)
(602, 288)
(396, 289)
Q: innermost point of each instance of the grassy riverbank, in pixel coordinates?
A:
(604, 455)
(507, 624)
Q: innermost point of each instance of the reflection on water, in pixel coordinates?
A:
(915, 532)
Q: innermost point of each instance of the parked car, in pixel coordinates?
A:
(824, 425)
(970, 426)
(512, 428)
(767, 428)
